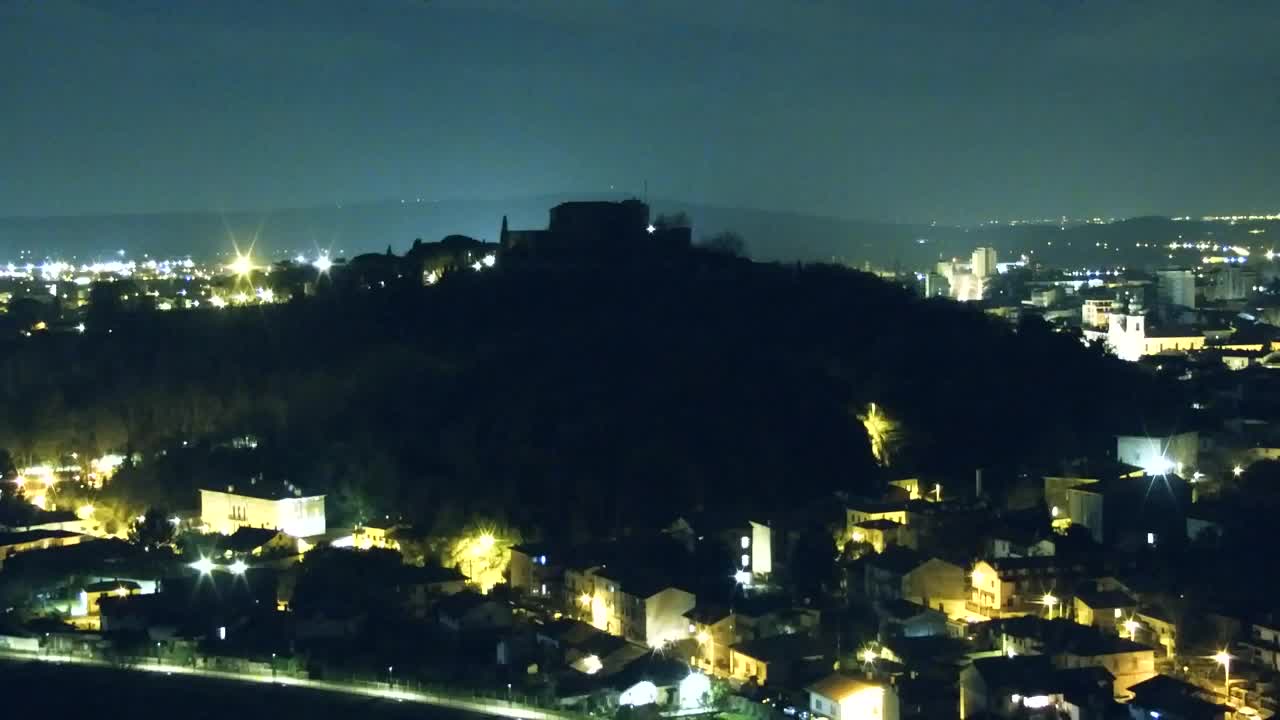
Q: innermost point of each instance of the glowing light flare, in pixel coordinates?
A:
(322, 263)
(881, 431)
(84, 512)
(1237, 471)
(242, 265)
(238, 567)
(204, 566)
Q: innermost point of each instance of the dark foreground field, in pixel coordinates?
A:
(67, 691)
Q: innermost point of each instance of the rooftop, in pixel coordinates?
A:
(839, 686)
(1105, 598)
(1176, 697)
(110, 585)
(880, 524)
(247, 539)
(26, 536)
(263, 490)
(782, 648)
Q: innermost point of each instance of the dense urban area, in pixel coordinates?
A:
(607, 467)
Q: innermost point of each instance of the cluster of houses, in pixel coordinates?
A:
(940, 601)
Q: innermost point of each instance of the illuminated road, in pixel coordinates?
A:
(485, 707)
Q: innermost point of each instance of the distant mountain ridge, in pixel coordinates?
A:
(770, 235)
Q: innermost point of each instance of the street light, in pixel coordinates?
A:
(204, 566)
(1237, 471)
(238, 567)
(1049, 601)
(1132, 626)
(1223, 658)
(390, 682)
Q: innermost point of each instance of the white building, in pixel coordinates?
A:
(281, 507)
(843, 697)
(983, 264)
(1095, 312)
(1160, 454)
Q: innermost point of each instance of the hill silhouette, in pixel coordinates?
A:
(573, 399)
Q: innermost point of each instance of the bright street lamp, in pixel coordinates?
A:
(1237, 471)
(1132, 626)
(1223, 658)
(1049, 601)
(238, 567)
(204, 566)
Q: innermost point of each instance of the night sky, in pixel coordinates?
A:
(898, 110)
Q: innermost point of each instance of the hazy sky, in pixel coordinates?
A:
(893, 109)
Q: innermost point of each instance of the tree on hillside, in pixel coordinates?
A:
(153, 530)
(726, 243)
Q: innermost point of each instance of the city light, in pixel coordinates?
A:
(880, 431)
(84, 512)
(1132, 626)
(1223, 658)
(242, 265)
(238, 567)
(204, 566)
(322, 263)
(1237, 471)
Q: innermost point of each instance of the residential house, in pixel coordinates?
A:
(638, 604)
(377, 534)
(469, 610)
(1159, 627)
(909, 575)
(1013, 586)
(528, 571)
(1018, 687)
(1105, 609)
(1131, 512)
(1166, 698)
(250, 542)
(860, 510)
(1071, 645)
(881, 533)
(1263, 643)
(904, 618)
(841, 696)
(421, 586)
(775, 660)
(716, 627)
(281, 506)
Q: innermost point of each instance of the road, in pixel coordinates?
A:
(492, 708)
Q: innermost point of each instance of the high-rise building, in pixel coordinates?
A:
(1176, 286)
(984, 262)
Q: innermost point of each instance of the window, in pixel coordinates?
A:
(1151, 538)
(1117, 612)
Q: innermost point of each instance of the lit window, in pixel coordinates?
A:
(746, 560)
(745, 542)
(222, 632)
(1117, 612)
(1151, 538)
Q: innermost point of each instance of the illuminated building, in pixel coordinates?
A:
(637, 605)
(1160, 627)
(1104, 609)
(1160, 454)
(249, 542)
(1095, 312)
(13, 543)
(1012, 586)
(535, 568)
(86, 611)
(376, 534)
(901, 573)
(881, 533)
(278, 506)
(983, 262)
(861, 510)
(844, 697)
